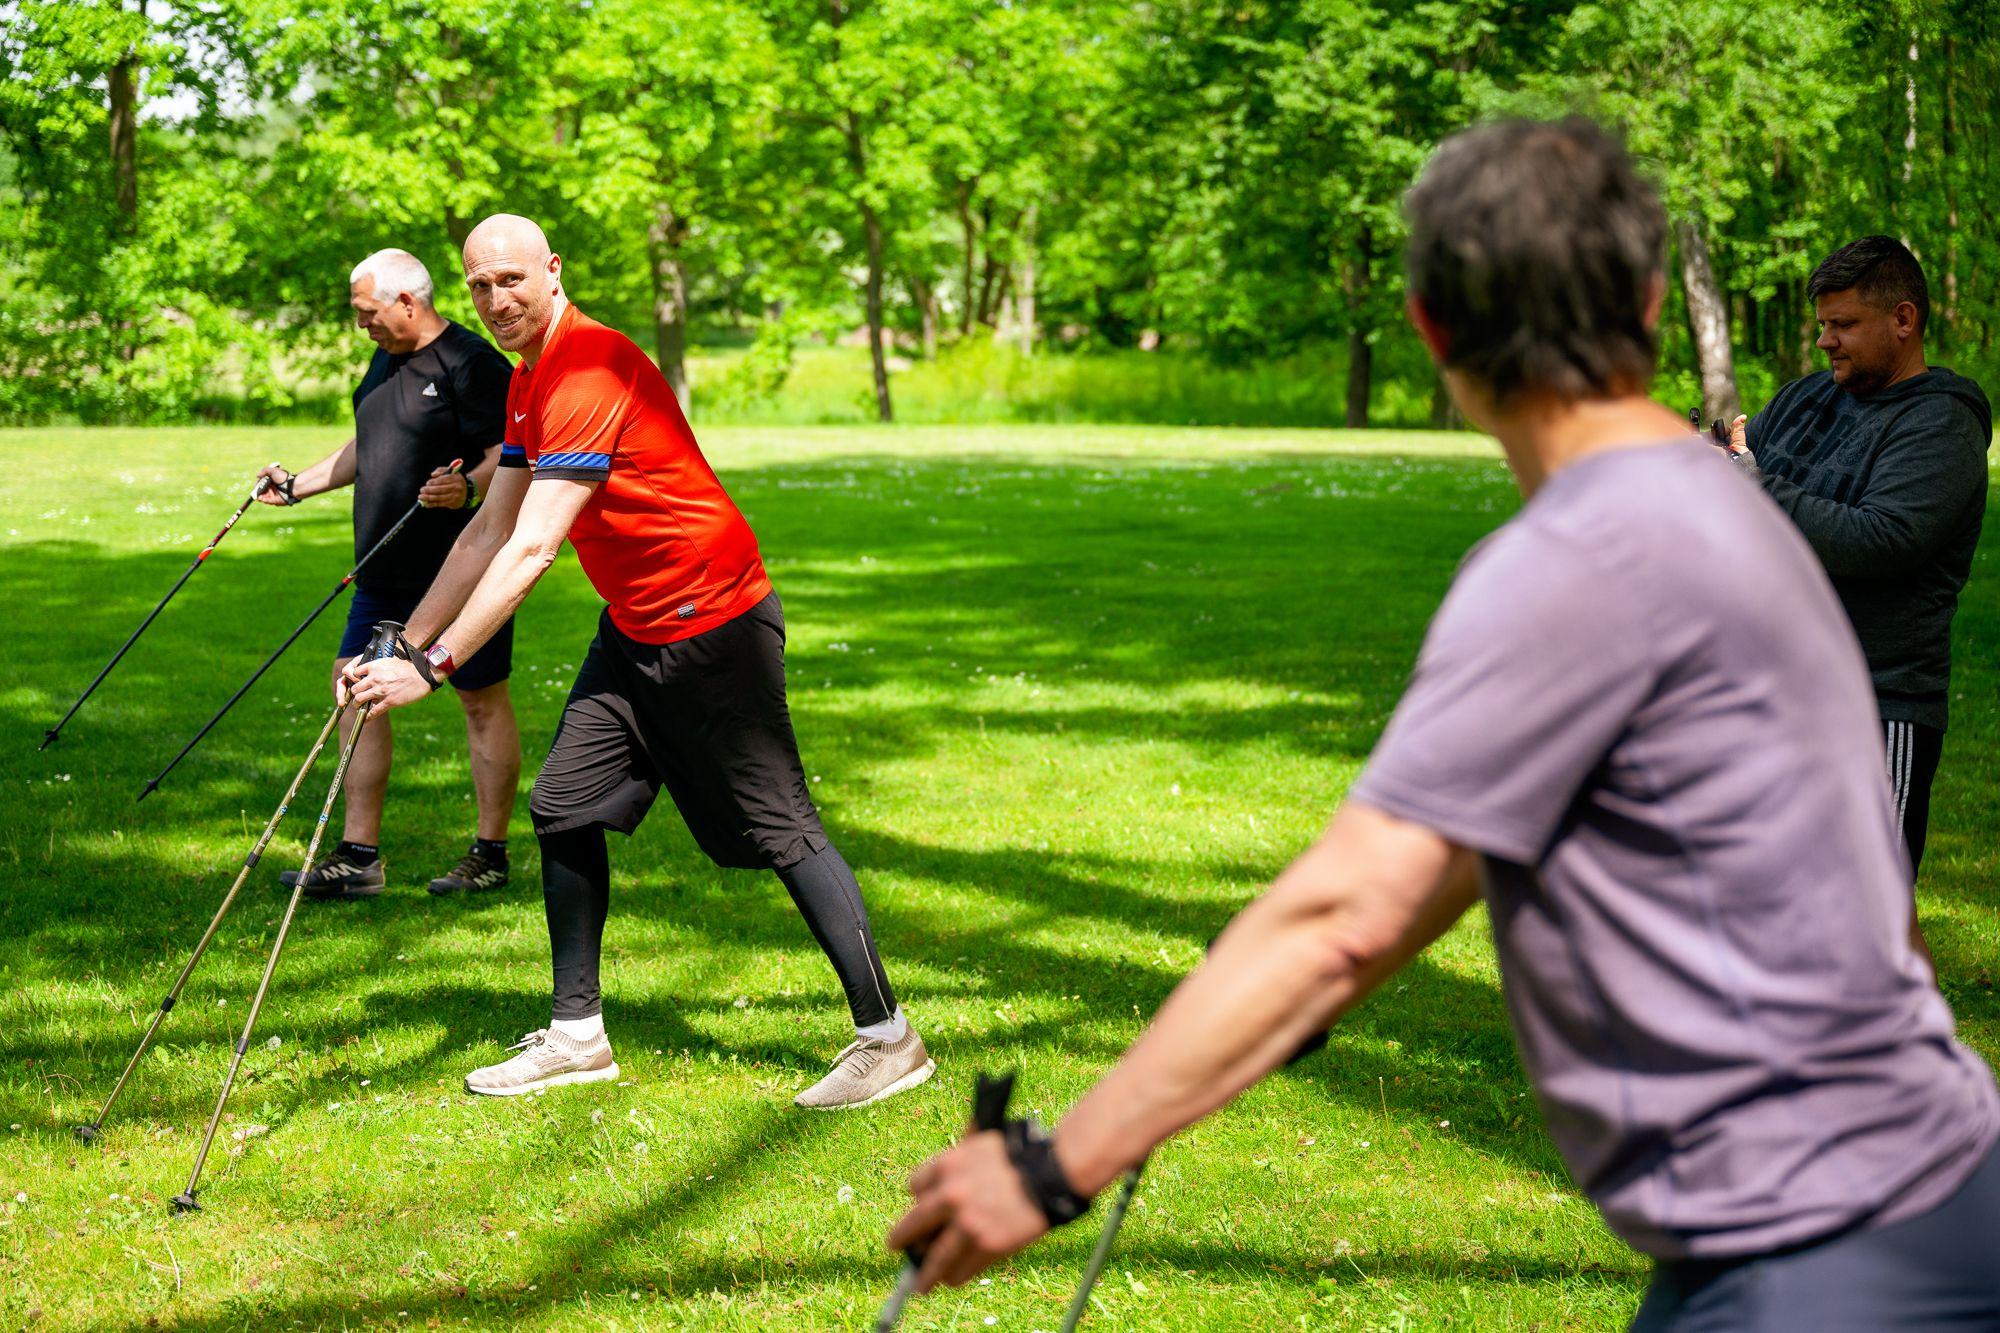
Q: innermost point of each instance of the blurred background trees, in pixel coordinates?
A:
(1177, 210)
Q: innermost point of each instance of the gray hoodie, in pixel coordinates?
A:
(1890, 491)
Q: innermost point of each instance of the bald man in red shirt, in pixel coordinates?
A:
(683, 687)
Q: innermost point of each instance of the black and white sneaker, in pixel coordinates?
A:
(337, 878)
(474, 873)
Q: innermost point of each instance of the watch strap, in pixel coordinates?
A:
(1032, 1153)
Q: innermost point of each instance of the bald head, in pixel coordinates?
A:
(507, 233)
(515, 281)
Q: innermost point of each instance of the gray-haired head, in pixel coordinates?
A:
(395, 273)
(1535, 252)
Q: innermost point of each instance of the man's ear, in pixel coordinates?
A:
(1435, 338)
(1656, 299)
(1905, 317)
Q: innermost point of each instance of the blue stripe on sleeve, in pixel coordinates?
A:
(574, 459)
(513, 455)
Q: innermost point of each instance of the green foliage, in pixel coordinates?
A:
(984, 380)
(1221, 178)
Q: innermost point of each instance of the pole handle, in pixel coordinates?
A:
(382, 640)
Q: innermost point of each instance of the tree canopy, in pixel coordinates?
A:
(187, 182)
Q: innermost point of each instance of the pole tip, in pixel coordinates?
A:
(184, 1202)
(151, 787)
(86, 1134)
(48, 739)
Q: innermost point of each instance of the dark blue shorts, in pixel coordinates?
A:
(1938, 1272)
(489, 666)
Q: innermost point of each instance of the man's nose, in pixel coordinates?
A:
(1826, 342)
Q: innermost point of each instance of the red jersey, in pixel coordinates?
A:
(661, 541)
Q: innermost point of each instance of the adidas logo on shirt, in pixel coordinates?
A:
(430, 391)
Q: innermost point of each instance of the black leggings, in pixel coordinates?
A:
(576, 896)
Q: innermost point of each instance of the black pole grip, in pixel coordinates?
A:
(382, 641)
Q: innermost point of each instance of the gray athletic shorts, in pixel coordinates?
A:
(1938, 1272)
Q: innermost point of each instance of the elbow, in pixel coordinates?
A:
(542, 553)
(534, 555)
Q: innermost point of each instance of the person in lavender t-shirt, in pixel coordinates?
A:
(1665, 780)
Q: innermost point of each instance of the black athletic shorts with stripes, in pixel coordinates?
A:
(1914, 753)
(705, 718)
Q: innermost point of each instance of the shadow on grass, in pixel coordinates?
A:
(1248, 1265)
(1228, 608)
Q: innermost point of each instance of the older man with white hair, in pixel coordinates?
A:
(434, 391)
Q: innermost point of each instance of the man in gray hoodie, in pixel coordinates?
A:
(1881, 462)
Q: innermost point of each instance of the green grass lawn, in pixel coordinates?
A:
(1068, 698)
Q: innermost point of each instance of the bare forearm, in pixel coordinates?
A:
(329, 474)
(1287, 968)
(508, 579)
(471, 555)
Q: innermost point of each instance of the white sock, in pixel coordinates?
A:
(891, 1030)
(580, 1029)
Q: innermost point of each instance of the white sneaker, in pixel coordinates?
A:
(547, 1059)
(868, 1071)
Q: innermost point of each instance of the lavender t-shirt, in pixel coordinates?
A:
(1642, 703)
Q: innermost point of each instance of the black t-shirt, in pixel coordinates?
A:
(413, 414)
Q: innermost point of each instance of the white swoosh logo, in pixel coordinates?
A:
(520, 416)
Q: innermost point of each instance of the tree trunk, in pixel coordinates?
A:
(1910, 98)
(1948, 170)
(1024, 285)
(1708, 318)
(924, 296)
(871, 226)
(1360, 352)
(988, 297)
(664, 239)
(125, 137)
(966, 314)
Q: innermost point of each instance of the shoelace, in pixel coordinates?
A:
(866, 1054)
(539, 1037)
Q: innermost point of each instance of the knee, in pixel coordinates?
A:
(484, 708)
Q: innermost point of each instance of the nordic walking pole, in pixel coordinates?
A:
(989, 1111)
(304, 625)
(88, 1133)
(1081, 1301)
(48, 737)
(383, 644)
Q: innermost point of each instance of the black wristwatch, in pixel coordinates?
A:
(471, 492)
